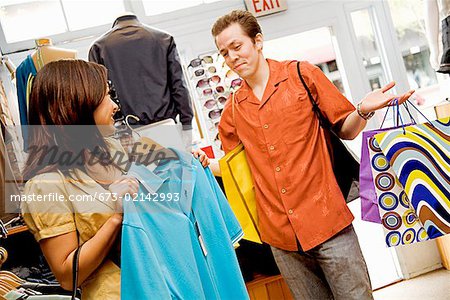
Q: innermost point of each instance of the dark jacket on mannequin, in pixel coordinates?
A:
(144, 65)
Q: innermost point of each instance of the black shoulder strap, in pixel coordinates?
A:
(75, 265)
(322, 120)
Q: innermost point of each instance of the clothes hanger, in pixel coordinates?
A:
(3, 255)
(3, 293)
(7, 285)
(4, 290)
(3, 230)
(12, 276)
(9, 281)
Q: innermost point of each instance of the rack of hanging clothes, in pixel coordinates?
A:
(12, 157)
(8, 91)
(28, 276)
(12, 287)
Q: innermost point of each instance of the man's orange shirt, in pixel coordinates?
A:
(296, 191)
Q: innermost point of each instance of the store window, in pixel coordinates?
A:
(27, 19)
(23, 20)
(317, 47)
(371, 57)
(156, 7)
(409, 21)
(85, 14)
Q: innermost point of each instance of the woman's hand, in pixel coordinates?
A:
(378, 99)
(121, 187)
(201, 156)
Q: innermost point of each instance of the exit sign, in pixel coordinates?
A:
(265, 7)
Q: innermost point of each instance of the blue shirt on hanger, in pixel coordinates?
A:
(178, 234)
(23, 73)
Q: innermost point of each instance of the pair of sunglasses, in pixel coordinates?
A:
(201, 72)
(214, 125)
(215, 113)
(217, 141)
(209, 91)
(208, 81)
(213, 102)
(230, 74)
(236, 82)
(196, 62)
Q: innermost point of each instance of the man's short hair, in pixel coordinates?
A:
(245, 19)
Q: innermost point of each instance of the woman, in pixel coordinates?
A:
(78, 166)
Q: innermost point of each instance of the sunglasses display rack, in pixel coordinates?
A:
(211, 82)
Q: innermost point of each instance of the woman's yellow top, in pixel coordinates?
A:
(86, 211)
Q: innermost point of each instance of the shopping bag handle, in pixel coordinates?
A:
(399, 117)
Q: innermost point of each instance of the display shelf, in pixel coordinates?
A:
(268, 287)
(210, 82)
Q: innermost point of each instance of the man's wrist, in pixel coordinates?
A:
(365, 116)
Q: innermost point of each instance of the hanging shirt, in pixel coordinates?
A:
(180, 248)
(23, 72)
(297, 195)
(144, 66)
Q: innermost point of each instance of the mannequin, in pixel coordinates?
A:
(144, 65)
(26, 71)
(437, 16)
(46, 52)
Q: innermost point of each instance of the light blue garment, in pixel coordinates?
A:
(162, 256)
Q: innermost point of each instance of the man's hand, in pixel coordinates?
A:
(378, 98)
(201, 156)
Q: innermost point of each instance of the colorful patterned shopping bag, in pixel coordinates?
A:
(420, 158)
(400, 223)
(367, 194)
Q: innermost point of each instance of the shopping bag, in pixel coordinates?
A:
(368, 196)
(420, 157)
(238, 183)
(400, 223)
(239, 188)
(369, 201)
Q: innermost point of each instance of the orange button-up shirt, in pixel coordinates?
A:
(296, 192)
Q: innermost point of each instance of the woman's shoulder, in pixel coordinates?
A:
(45, 182)
(44, 193)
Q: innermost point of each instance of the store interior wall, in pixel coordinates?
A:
(192, 33)
(193, 37)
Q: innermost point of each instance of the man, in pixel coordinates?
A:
(302, 213)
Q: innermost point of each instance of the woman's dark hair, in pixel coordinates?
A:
(245, 19)
(64, 93)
